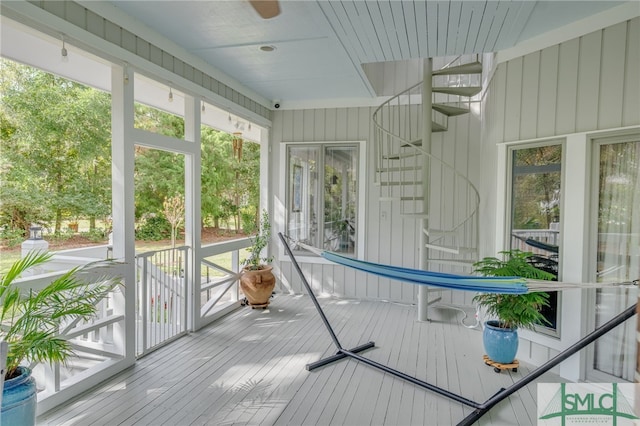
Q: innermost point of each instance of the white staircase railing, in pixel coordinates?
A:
(404, 167)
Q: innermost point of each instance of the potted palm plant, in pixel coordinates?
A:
(30, 322)
(257, 280)
(513, 311)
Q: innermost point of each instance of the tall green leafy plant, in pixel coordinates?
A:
(513, 310)
(30, 321)
(255, 261)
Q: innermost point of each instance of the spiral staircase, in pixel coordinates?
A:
(439, 197)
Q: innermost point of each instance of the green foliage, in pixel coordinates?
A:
(229, 186)
(260, 241)
(537, 189)
(248, 220)
(513, 310)
(61, 236)
(153, 228)
(95, 235)
(32, 320)
(55, 156)
(12, 237)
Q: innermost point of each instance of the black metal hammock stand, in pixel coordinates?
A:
(480, 408)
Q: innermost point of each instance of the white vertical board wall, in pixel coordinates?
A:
(585, 84)
(588, 84)
(388, 237)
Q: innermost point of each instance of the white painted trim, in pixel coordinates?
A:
(362, 199)
(334, 103)
(592, 134)
(502, 203)
(84, 382)
(40, 20)
(594, 142)
(576, 29)
(112, 13)
(193, 205)
(123, 209)
(576, 252)
(164, 143)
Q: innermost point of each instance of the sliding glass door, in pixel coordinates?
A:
(616, 251)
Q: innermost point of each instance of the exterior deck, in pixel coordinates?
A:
(249, 368)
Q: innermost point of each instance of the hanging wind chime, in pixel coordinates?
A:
(237, 145)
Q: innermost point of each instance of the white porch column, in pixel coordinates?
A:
(123, 210)
(192, 203)
(423, 291)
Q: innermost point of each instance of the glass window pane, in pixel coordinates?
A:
(340, 199)
(303, 201)
(322, 210)
(535, 219)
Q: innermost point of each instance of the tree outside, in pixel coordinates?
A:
(55, 167)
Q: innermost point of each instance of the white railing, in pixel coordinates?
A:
(161, 297)
(545, 236)
(220, 272)
(94, 342)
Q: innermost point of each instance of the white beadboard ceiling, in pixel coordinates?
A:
(321, 46)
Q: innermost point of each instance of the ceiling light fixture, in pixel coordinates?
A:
(203, 107)
(170, 95)
(267, 48)
(125, 75)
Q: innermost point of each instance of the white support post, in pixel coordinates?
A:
(192, 203)
(123, 210)
(423, 291)
(266, 191)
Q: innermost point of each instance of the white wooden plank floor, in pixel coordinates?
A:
(249, 368)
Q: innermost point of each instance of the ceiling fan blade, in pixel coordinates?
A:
(266, 8)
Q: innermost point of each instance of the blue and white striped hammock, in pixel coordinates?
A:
(502, 285)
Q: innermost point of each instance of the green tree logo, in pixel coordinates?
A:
(586, 403)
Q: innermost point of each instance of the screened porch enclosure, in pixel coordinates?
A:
(205, 359)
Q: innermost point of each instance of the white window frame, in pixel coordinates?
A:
(360, 194)
(511, 148)
(594, 142)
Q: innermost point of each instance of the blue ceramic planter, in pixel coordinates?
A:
(501, 344)
(19, 400)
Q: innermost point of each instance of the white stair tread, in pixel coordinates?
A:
(394, 183)
(451, 249)
(439, 232)
(402, 155)
(461, 91)
(449, 110)
(401, 198)
(415, 215)
(458, 262)
(398, 169)
(468, 68)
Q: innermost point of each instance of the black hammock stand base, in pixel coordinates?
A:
(480, 409)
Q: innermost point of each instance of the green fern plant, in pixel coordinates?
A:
(30, 321)
(254, 261)
(513, 310)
